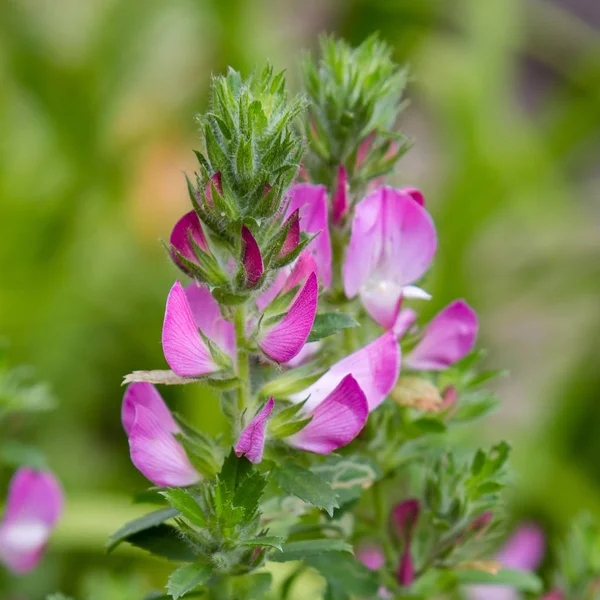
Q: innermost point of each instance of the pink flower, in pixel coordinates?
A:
(151, 430)
(448, 337)
(405, 516)
(187, 311)
(292, 238)
(340, 197)
(392, 244)
(286, 338)
(375, 367)
(186, 233)
(336, 420)
(251, 259)
(311, 201)
(33, 508)
(371, 556)
(252, 439)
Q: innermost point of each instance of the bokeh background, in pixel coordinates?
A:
(97, 99)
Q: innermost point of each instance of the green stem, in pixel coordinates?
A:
(243, 365)
(381, 521)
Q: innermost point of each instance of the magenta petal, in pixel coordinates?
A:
(449, 337)
(33, 507)
(340, 197)
(292, 239)
(208, 318)
(184, 348)
(286, 338)
(406, 569)
(404, 322)
(155, 451)
(188, 225)
(145, 394)
(312, 202)
(415, 194)
(376, 368)
(251, 258)
(405, 517)
(252, 439)
(336, 421)
(393, 240)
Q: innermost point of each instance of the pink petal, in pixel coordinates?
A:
(336, 421)
(251, 258)
(371, 556)
(382, 301)
(286, 338)
(376, 368)
(404, 322)
(33, 507)
(208, 318)
(145, 394)
(393, 240)
(340, 197)
(184, 348)
(363, 150)
(525, 549)
(252, 439)
(154, 450)
(292, 239)
(303, 267)
(415, 194)
(188, 224)
(216, 180)
(308, 351)
(449, 337)
(312, 202)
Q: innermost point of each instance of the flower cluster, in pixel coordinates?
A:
(301, 310)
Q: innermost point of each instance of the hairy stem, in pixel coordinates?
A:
(243, 365)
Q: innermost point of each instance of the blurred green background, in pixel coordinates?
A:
(97, 99)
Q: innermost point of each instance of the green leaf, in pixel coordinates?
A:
(305, 485)
(234, 471)
(327, 324)
(523, 581)
(164, 541)
(430, 425)
(148, 521)
(309, 548)
(343, 571)
(187, 578)
(267, 541)
(249, 493)
(187, 505)
(348, 476)
(290, 382)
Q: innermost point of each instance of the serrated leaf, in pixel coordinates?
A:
(187, 505)
(523, 581)
(148, 521)
(234, 471)
(249, 493)
(310, 548)
(185, 579)
(267, 541)
(164, 541)
(306, 485)
(327, 324)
